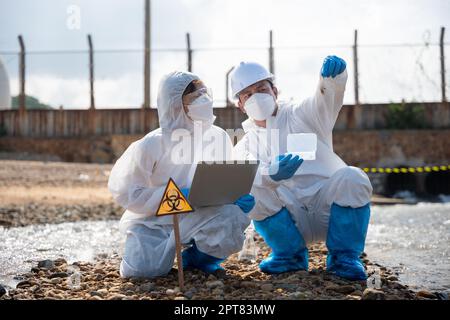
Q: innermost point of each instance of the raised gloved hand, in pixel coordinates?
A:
(185, 192)
(284, 167)
(332, 66)
(246, 203)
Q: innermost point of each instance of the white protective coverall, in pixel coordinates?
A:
(138, 179)
(309, 194)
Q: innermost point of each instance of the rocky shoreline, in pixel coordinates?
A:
(40, 193)
(100, 280)
(20, 215)
(33, 192)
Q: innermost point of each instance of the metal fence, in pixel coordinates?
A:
(425, 60)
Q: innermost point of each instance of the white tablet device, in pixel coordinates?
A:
(303, 145)
(221, 183)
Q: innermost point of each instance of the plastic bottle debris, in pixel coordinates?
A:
(374, 281)
(249, 250)
(74, 279)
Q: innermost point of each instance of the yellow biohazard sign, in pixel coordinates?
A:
(173, 201)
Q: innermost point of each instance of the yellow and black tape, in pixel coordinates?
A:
(408, 170)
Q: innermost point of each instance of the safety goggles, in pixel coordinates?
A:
(189, 98)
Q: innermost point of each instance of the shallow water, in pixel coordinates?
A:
(412, 239)
(21, 248)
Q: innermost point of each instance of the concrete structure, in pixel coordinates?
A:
(361, 148)
(361, 138)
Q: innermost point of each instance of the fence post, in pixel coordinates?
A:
(355, 73)
(228, 102)
(91, 71)
(189, 52)
(22, 96)
(147, 35)
(271, 55)
(354, 111)
(441, 45)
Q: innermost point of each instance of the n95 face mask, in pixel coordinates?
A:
(201, 109)
(260, 106)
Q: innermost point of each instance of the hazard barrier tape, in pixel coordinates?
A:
(408, 170)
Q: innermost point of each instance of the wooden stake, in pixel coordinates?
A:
(176, 229)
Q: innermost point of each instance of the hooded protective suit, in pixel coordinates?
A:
(138, 179)
(318, 184)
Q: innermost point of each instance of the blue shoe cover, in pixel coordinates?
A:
(195, 259)
(345, 241)
(289, 252)
(275, 264)
(347, 267)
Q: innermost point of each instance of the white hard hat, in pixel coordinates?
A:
(247, 73)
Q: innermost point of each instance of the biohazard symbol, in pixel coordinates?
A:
(173, 201)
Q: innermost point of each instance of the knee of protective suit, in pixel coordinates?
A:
(138, 269)
(224, 234)
(268, 203)
(148, 253)
(353, 187)
(127, 271)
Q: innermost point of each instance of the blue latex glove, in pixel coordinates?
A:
(246, 203)
(185, 192)
(284, 167)
(332, 66)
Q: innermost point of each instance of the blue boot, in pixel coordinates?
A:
(195, 259)
(289, 252)
(345, 241)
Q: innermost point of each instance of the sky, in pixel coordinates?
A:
(223, 33)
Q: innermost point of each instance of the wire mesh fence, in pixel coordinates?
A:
(386, 72)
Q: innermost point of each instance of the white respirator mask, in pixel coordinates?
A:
(260, 106)
(201, 109)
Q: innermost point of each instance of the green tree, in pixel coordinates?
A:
(31, 103)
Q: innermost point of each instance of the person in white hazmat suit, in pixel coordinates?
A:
(139, 177)
(298, 202)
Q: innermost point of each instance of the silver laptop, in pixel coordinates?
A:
(221, 183)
